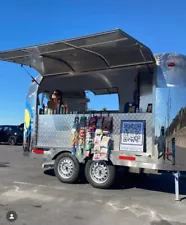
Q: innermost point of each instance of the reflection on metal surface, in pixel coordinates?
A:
(170, 124)
(171, 76)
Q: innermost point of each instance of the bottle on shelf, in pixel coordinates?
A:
(66, 109)
(46, 110)
(61, 109)
(58, 110)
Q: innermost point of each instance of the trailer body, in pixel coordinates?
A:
(46, 137)
(105, 63)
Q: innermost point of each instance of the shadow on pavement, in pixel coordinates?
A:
(162, 183)
(165, 222)
(4, 164)
(49, 172)
(153, 182)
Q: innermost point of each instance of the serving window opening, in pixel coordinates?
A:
(103, 100)
(59, 102)
(130, 93)
(122, 101)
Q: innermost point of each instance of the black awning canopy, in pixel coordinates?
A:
(108, 50)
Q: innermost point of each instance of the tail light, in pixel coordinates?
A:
(171, 64)
(38, 151)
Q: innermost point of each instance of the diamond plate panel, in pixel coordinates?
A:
(133, 116)
(55, 130)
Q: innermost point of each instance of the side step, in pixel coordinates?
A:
(48, 164)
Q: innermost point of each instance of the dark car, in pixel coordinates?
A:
(11, 134)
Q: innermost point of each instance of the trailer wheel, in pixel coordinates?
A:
(67, 168)
(100, 174)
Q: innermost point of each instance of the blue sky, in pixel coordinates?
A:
(159, 24)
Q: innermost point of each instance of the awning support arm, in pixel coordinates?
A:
(52, 57)
(30, 75)
(90, 51)
(58, 59)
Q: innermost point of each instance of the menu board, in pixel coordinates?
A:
(132, 135)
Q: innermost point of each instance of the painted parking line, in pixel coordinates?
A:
(17, 192)
(39, 185)
(24, 190)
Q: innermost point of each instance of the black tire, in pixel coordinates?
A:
(109, 178)
(12, 140)
(71, 161)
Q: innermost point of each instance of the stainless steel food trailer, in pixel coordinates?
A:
(148, 130)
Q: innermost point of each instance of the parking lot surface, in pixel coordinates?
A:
(39, 198)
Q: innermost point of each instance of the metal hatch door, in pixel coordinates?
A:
(102, 51)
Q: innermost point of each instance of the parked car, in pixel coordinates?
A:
(12, 134)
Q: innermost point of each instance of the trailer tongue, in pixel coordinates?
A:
(144, 133)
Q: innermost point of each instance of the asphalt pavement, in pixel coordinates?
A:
(38, 197)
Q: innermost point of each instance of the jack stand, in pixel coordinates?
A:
(176, 180)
